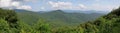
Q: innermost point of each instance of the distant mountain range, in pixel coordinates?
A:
(83, 11)
(58, 17)
(68, 11)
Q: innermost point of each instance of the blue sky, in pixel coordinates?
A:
(46, 5)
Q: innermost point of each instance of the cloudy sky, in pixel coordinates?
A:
(43, 5)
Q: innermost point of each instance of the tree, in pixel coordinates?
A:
(24, 28)
(9, 16)
(4, 26)
(42, 27)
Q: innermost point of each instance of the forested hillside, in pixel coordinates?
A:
(57, 17)
(10, 23)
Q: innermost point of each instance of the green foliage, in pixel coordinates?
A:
(57, 18)
(4, 27)
(107, 24)
(9, 16)
(24, 28)
(41, 27)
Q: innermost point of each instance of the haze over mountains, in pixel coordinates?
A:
(60, 17)
(69, 11)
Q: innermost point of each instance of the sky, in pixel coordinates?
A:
(47, 5)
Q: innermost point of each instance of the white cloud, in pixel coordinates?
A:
(82, 6)
(58, 5)
(97, 0)
(65, 5)
(5, 3)
(29, 0)
(42, 8)
(102, 7)
(72, 6)
(24, 7)
(14, 4)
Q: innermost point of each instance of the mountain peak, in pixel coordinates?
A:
(58, 11)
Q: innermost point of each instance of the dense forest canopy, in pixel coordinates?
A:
(9, 23)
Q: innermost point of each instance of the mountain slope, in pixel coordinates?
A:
(28, 17)
(109, 23)
(106, 24)
(58, 17)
